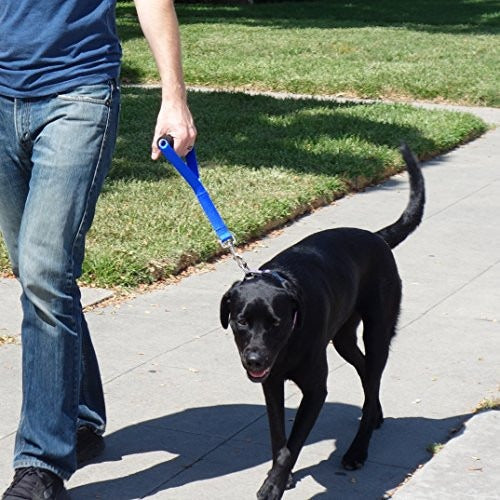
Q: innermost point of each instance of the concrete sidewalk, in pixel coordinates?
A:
(185, 423)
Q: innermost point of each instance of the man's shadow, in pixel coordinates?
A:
(209, 442)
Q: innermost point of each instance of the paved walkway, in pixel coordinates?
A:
(184, 422)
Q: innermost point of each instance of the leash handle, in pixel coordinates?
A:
(189, 171)
(191, 161)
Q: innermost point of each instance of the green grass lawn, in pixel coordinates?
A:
(266, 160)
(441, 50)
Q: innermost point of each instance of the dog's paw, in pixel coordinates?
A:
(278, 478)
(353, 461)
(269, 491)
(351, 464)
(275, 485)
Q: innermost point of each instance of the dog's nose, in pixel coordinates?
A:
(254, 360)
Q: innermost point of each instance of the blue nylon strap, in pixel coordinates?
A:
(189, 171)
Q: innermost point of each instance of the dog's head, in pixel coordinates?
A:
(262, 312)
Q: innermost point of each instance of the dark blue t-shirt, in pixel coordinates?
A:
(50, 46)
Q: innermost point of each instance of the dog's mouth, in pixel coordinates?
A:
(258, 376)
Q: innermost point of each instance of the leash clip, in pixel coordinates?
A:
(240, 261)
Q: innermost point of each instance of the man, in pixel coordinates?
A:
(59, 104)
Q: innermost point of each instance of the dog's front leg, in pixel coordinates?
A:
(274, 389)
(308, 412)
(274, 393)
(287, 455)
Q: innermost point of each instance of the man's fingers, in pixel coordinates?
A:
(184, 137)
(155, 151)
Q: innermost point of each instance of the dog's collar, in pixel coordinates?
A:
(265, 272)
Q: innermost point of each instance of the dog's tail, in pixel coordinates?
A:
(414, 211)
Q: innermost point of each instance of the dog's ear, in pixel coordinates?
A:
(224, 309)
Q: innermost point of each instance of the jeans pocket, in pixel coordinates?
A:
(95, 94)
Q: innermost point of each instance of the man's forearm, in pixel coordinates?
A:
(160, 27)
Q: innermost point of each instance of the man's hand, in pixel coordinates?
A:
(174, 119)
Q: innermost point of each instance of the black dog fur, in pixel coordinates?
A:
(317, 291)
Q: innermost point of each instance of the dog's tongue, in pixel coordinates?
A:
(258, 374)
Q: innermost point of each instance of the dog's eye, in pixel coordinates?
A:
(242, 322)
(276, 322)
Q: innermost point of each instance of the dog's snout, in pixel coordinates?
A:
(253, 359)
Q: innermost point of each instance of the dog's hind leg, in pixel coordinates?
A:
(345, 343)
(377, 339)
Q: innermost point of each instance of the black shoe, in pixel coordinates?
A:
(33, 483)
(88, 445)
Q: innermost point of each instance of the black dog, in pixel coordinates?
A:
(317, 291)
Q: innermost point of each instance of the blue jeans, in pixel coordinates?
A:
(54, 155)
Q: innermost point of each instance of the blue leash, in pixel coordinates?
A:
(189, 171)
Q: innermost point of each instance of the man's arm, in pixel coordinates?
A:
(159, 23)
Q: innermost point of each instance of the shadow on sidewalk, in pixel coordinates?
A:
(216, 450)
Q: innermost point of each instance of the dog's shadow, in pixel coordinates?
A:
(212, 448)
